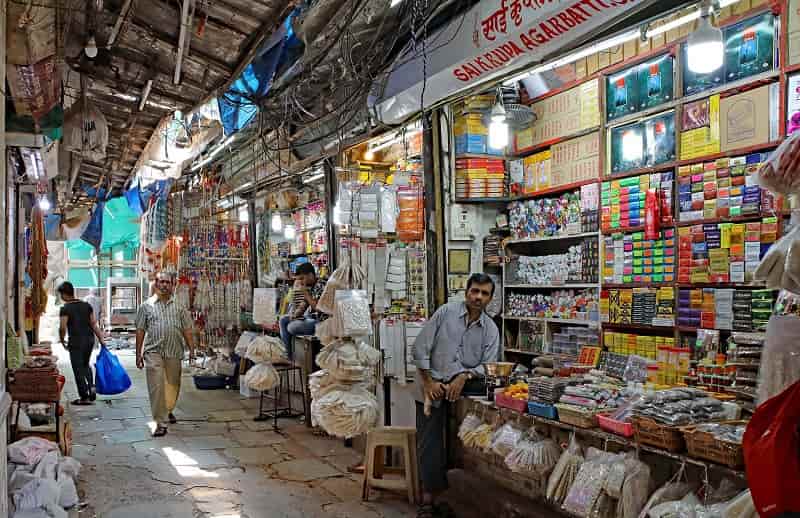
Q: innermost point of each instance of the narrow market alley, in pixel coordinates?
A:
(216, 462)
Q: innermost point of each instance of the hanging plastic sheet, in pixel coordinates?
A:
(94, 232)
(237, 106)
(52, 228)
(74, 228)
(134, 198)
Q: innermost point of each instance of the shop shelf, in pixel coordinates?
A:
(644, 114)
(666, 166)
(748, 83)
(482, 200)
(551, 286)
(524, 152)
(733, 152)
(638, 327)
(549, 238)
(612, 231)
(565, 321)
(520, 351)
(735, 219)
(613, 286)
(737, 285)
(554, 190)
(481, 155)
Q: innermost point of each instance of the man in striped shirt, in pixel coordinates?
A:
(161, 329)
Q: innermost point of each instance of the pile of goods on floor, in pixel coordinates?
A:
(41, 481)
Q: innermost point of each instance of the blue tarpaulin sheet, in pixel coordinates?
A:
(237, 106)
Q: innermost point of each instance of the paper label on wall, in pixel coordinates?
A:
(265, 306)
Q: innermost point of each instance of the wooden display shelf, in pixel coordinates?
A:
(547, 144)
(466, 201)
(552, 320)
(735, 219)
(638, 327)
(481, 156)
(666, 166)
(551, 286)
(554, 190)
(616, 286)
(722, 285)
(582, 235)
(728, 154)
(520, 351)
(612, 231)
(610, 437)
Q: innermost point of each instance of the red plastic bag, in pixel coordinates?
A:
(771, 454)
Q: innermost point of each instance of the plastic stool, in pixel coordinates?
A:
(377, 442)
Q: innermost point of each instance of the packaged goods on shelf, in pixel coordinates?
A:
(723, 188)
(570, 340)
(472, 135)
(566, 304)
(723, 252)
(646, 143)
(579, 264)
(491, 249)
(623, 201)
(480, 178)
(632, 258)
(631, 343)
(532, 336)
(680, 406)
(552, 216)
(640, 306)
(725, 309)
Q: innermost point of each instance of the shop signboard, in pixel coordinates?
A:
(491, 40)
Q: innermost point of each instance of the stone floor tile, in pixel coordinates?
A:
(305, 470)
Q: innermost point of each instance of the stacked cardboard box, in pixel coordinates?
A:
(623, 201)
(722, 189)
(725, 308)
(640, 306)
(632, 258)
(480, 178)
(723, 252)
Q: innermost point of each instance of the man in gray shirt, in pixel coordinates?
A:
(449, 354)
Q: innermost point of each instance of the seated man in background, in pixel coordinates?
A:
(303, 315)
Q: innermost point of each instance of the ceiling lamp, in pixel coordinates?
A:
(369, 154)
(498, 128)
(91, 48)
(244, 215)
(44, 203)
(705, 49)
(277, 224)
(289, 231)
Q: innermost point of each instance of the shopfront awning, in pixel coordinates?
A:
(491, 40)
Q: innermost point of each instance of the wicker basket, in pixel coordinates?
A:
(576, 417)
(647, 431)
(703, 445)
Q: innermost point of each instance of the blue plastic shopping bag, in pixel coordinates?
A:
(110, 375)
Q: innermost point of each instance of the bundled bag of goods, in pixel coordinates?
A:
(565, 472)
(41, 482)
(476, 434)
(346, 413)
(265, 349)
(262, 377)
(533, 455)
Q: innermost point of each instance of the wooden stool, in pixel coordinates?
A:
(374, 469)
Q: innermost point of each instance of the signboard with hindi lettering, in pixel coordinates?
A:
(490, 40)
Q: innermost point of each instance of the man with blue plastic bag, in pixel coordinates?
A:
(162, 327)
(78, 320)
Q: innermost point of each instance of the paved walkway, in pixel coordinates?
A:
(215, 463)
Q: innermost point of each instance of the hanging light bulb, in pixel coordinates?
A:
(705, 50)
(337, 214)
(498, 128)
(244, 215)
(277, 224)
(369, 154)
(91, 48)
(289, 232)
(44, 203)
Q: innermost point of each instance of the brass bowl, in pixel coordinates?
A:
(499, 369)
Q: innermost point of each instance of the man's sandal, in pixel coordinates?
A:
(160, 431)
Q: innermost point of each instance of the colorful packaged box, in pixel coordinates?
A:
(631, 258)
(622, 201)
